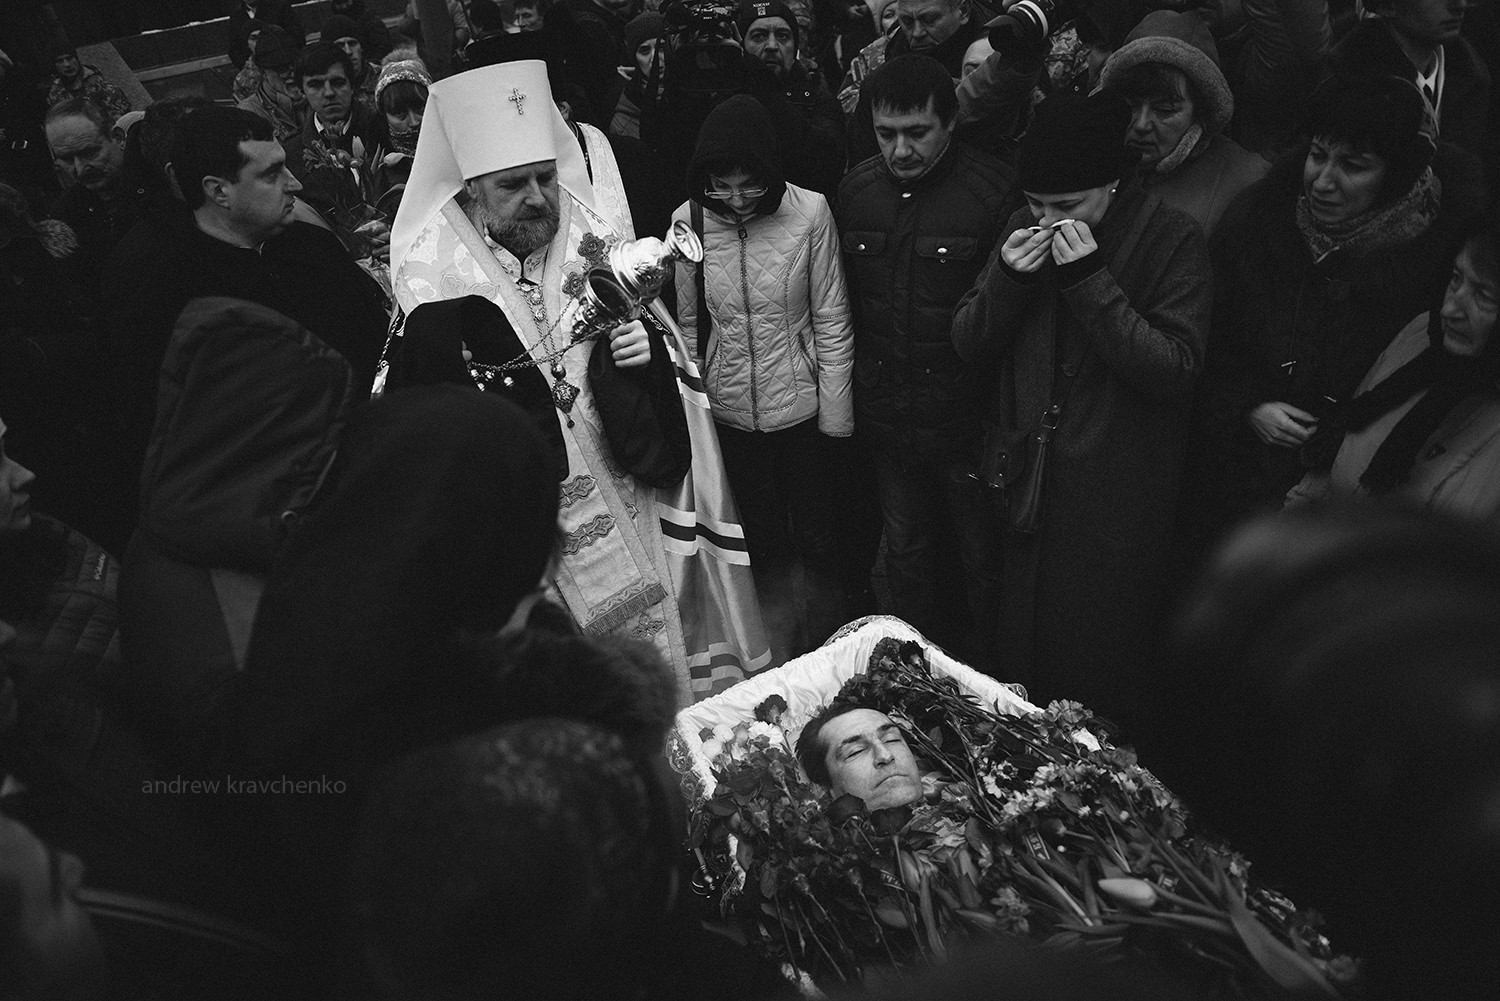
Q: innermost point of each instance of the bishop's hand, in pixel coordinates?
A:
(630, 345)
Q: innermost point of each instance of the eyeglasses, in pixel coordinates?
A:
(724, 196)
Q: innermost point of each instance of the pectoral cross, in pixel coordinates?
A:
(516, 97)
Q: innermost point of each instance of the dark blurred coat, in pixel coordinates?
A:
(1083, 596)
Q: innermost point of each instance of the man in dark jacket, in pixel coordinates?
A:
(771, 37)
(99, 205)
(235, 237)
(339, 132)
(942, 29)
(917, 224)
(1419, 40)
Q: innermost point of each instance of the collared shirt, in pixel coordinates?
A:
(527, 275)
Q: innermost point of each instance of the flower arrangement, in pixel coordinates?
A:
(1028, 827)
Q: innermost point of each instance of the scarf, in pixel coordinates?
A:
(1447, 379)
(1404, 219)
(1185, 148)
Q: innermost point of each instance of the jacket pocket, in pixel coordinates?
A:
(944, 268)
(863, 243)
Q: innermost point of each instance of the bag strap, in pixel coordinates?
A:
(1117, 261)
(705, 321)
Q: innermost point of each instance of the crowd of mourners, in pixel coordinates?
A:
(350, 582)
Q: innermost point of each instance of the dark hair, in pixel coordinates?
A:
(158, 126)
(318, 58)
(207, 144)
(908, 83)
(401, 96)
(1382, 115)
(526, 861)
(486, 16)
(80, 107)
(1151, 81)
(812, 753)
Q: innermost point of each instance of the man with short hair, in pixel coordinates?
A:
(858, 751)
(1419, 40)
(97, 204)
(942, 29)
(646, 551)
(918, 223)
(329, 153)
(72, 79)
(342, 33)
(772, 38)
(234, 235)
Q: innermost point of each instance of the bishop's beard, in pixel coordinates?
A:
(519, 236)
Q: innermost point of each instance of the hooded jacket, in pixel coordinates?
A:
(249, 414)
(781, 347)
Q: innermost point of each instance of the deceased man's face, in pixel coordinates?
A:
(867, 757)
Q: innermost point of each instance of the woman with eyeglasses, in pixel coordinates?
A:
(769, 313)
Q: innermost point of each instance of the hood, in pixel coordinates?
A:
(738, 130)
(1182, 41)
(250, 408)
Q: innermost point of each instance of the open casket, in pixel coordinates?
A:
(1029, 826)
(808, 683)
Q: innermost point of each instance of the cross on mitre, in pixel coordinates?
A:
(516, 97)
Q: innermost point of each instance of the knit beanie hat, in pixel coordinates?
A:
(748, 13)
(1075, 143)
(1182, 41)
(642, 28)
(338, 26)
(274, 49)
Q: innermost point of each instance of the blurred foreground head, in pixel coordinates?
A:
(1337, 717)
(529, 861)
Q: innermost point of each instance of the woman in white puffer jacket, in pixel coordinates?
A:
(777, 347)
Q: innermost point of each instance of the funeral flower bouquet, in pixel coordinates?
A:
(1029, 826)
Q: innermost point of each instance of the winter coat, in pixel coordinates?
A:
(1287, 329)
(250, 412)
(1205, 185)
(167, 261)
(1277, 66)
(1082, 597)
(781, 345)
(911, 252)
(781, 348)
(1464, 106)
(1457, 469)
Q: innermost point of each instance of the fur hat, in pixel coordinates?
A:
(1183, 42)
(1075, 143)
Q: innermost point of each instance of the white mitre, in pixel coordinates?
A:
(477, 122)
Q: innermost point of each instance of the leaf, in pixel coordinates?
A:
(890, 914)
(1279, 962)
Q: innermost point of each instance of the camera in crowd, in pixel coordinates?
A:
(1031, 22)
(703, 47)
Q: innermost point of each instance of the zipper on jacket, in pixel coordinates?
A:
(749, 332)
